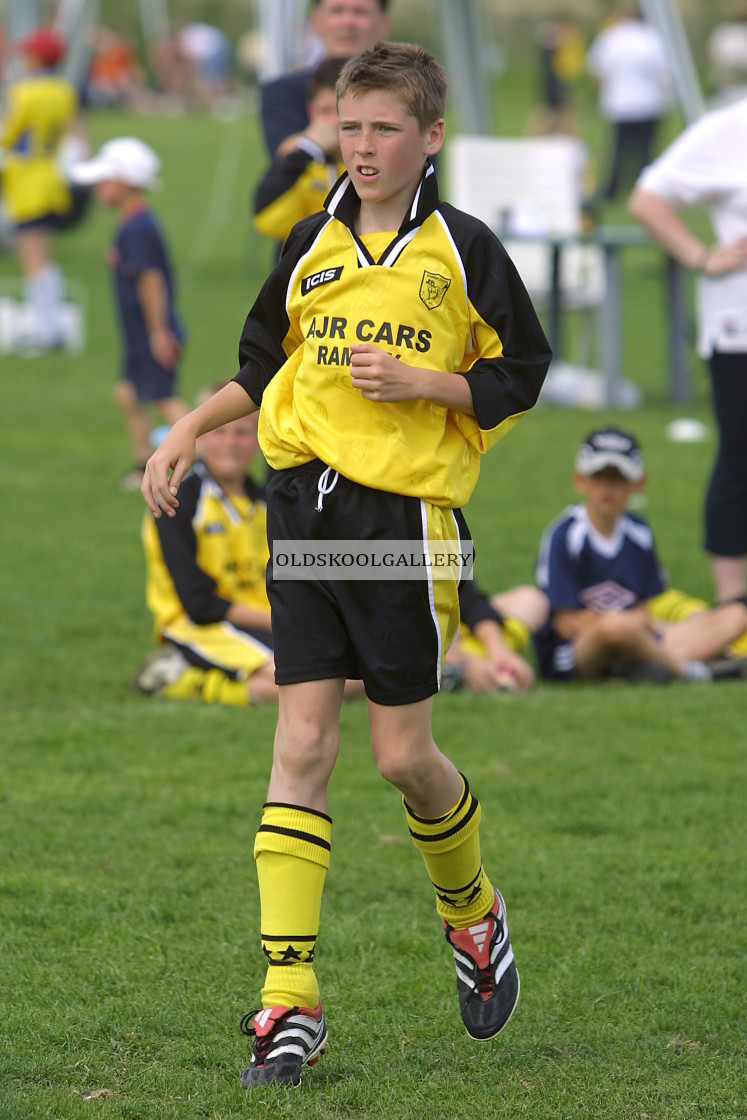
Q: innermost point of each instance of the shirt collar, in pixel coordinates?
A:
(343, 202)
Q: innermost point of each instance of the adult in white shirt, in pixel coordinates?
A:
(630, 64)
(707, 165)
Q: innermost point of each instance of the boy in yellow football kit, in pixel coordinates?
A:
(297, 182)
(205, 579)
(41, 107)
(392, 344)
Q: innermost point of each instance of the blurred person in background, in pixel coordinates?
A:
(561, 52)
(495, 632)
(629, 62)
(345, 28)
(208, 61)
(707, 165)
(726, 52)
(40, 109)
(297, 183)
(123, 171)
(115, 74)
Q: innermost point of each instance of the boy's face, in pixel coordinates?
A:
(323, 106)
(606, 493)
(111, 193)
(347, 27)
(383, 148)
(228, 451)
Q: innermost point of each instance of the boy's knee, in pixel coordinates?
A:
(124, 395)
(398, 762)
(306, 749)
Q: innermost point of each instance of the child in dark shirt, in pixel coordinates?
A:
(152, 334)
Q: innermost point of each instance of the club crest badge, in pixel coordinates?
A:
(433, 288)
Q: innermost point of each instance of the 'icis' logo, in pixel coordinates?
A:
(318, 278)
(433, 288)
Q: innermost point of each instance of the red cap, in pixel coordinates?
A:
(45, 44)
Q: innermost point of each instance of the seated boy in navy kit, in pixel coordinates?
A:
(392, 344)
(599, 569)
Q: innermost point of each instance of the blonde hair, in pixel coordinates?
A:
(409, 71)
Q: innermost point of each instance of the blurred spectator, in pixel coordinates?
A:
(297, 183)
(345, 28)
(123, 171)
(493, 634)
(169, 74)
(707, 166)
(629, 61)
(208, 60)
(561, 50)
(726, 51)
(41, 107)
(115, 73)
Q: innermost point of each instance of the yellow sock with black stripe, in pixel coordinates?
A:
(212, 686)
(292, 850)
(450, 847)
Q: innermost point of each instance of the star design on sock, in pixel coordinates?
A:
(291, 954)
(460, 901)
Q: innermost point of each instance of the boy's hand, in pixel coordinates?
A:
(510, 671)
(176, 454)
(381, 377)
(726, 258)
(164, 346)
(326, 134)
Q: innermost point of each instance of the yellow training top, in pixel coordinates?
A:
(39, 110)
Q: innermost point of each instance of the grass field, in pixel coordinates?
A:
(613, 816)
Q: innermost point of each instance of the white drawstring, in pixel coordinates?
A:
(325, 486)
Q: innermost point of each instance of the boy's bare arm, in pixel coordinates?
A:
(153, 297)
(568, 624)
(177, 452)
(679, 240)
(382, 377)
(241, 615)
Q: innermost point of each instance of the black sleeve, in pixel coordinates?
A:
(261, 346)
(509, 384)
(195, 587)
(282, 107)
(474, 605)
(280, 177)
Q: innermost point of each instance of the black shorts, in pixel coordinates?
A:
(392, 634)
(49, 222)
(150, 380)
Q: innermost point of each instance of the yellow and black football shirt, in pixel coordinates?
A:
(39, 111)
(294, 187)
(211, 554)
(442, 294)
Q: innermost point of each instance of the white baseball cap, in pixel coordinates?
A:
(125, 160)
